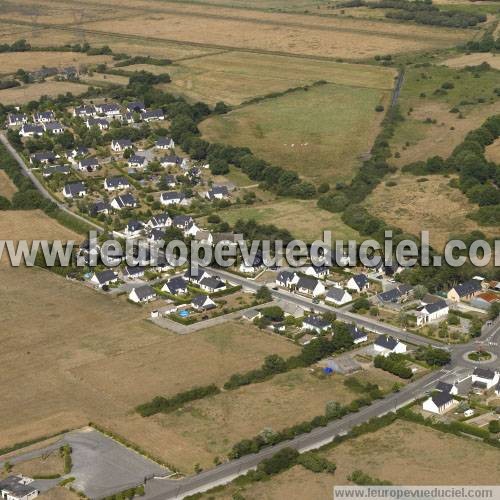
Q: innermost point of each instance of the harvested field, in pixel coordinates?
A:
(234, 77)
(320, 133)
(474, 60)
(46, 465)
(10, 63)
(100, 79)
(103, 359)
(416, 140)
(7, 187)
(414, 206)
(295, 216)
(406, 453)
(33, 225)
(33, 92)
(493, 152)
(59, 493)
(213, 425)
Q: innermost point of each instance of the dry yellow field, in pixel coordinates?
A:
(493, 152)
(7, 187)
(48, 464)
(104, 79)
(29, 61)
(33, 92)
(92, 358)
(403, 453)
(433, 206)
(474, 60)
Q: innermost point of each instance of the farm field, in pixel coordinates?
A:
(474, 60)
(45, 465)
(33, 92)
(493, 152)
(320, 133)
(417, 140)
(78, 336)
(7, 187)
(234, 77)
(211, 426)
(101, 79)
(10, 63)
(413, 206)
(294, 215)
(406, 453)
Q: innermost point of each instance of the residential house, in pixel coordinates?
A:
(182, 222)
(287, 279)
(195, 275)
(119, 145)
(165, 143)
(204, 237)
(217, 193)
(484, 378)
(104, 278)
(385, 345)
(175, 286)
(310, 286)
(212, 284)
(359, 283)
(88, 164)
(133, 272)
(172, 198)
(128, 118)
(136, 161)
(85, 111)
(170, 161)
(124, 201)
(226, 239)
(109, 109)
(75, 190)
(316, 271)
(54, 128)
(44, 157)
(448, 388)
(191, 230)
(152, 115)
(142, 294)
(316, 324)
(432, 312)
(18, 487)
(168, 180)
(16, 120)
(485, 300)
(99, 207)
(156, 235)
(100, 123)
(338, 296)
(136, 107)
(396, 295)
(44, 117)
(252, 265)
(31, 130)
(134, 228)
(159, 221)
(465, 291)
(203, 303)
(56, 169)
(116, 183)
(358, 336)
(77, 152)
(438, 403)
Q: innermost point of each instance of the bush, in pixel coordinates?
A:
(315, 463)
(280, 461)
(395, 364)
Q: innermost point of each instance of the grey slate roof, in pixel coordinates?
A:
(13, 484)
(105, 276)
(307, 283)
(361, 280)
(212, 283)
(441, 398)
(335, 293)
(387, 342)
(199, 300)
(144, 291)
(485, 373)
(468, 288)
(316, 322)
(444, 387)
(177, 283)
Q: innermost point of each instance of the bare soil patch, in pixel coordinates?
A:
(7, 187)
(474, 60)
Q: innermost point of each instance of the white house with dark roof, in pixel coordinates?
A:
(104, 278)
(397, 294)
(438, 403)
(88, 164)
(385, 345)
(16, 120)
(203, 303)
(175, 286)
(133, 272)
(359, 283)
(152, 115)
(448, 388)
(53, 128)
(310, 286)
(44, 116)
(31, 130)
(170, 161)
(43, 157)
(287, 279)
(217, 193)
(116, 183)
(195, 276)
(316, 324)
(119, 145)
(159, 221)
(212, 284)
(164, 143)
(316, 271)
(56, 169)
(135, 107)
(137, 161)
(432, 312)
(84, 111)
(100, 123)
(172, 198)
(109, 109)
(142, 294)
(338, 296)
(18, 487)
(75, 190)
(134, 228)
(484, 378)
(358, 336)
(124, 201)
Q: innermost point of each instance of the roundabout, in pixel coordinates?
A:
(480, 357)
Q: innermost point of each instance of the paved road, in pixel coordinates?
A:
(39, 186)
(163, 489)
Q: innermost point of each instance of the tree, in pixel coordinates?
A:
(274, 364)
(494, 311)
(263, 294)
(419, 292)
(494, 426)
(333, 410)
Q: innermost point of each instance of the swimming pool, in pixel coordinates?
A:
(184, 313)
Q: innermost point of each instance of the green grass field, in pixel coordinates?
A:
(319, 133)
(235, 77)
(302, 218)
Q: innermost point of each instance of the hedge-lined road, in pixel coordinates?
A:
(39, 186)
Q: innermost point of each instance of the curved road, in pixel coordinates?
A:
(39, 186)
